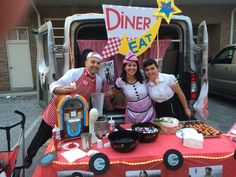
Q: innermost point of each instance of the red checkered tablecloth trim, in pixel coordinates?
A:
(112, 47)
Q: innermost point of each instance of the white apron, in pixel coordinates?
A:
(85, 85)
(139, 111)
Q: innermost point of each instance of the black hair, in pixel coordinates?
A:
(149, 62)
(138, 75)
(209, 168)
(143, 172)
(75, 174)
(85, 53)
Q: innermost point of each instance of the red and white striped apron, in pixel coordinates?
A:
(85, 85)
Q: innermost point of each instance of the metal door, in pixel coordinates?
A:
(19, 61)
(46, 62)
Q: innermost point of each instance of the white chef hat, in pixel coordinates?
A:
(94, 54)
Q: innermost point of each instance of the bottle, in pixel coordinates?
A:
(93, 115)
(56, 137)
(112, 125)
(99, 143)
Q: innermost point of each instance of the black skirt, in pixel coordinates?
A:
(171, 108)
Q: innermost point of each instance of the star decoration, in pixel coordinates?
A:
(166, 9)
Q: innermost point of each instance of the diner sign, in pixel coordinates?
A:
(132, 21)
(142, 43)
(134, 28)
(137, 24)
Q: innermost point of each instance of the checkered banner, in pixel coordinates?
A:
(112, 47)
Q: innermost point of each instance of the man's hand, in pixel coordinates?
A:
(68, 89)
(64, 90)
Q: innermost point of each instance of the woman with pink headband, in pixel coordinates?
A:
(139, 105)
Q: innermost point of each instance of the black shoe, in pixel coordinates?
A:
(27, 162)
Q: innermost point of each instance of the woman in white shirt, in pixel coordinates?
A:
(139, 105)
(166, 92)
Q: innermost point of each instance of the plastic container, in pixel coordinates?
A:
(86, 141)
(112, 125)
(97, 100)
(99, 144)
(56, 137)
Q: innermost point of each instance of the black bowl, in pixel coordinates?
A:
(124, 140)
(146, 136)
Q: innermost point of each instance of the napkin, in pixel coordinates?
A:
(73, 155)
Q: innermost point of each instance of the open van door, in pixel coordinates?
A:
(46, 62)
(202, 51)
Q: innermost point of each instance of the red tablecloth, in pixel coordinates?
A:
(147, 156)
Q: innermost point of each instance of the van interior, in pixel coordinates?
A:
(168, 53)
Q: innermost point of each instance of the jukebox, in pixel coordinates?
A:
(72, 115)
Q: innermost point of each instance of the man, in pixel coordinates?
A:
(143, 173)
(85, 81)
(208, 172)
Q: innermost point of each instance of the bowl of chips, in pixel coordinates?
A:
(148, 131)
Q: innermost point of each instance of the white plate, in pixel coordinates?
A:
(233, 132)
(67, 146)
(183, 131)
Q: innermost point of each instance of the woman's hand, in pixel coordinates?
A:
(188, 112)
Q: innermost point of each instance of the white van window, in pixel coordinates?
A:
(58, 30)
(45, 49)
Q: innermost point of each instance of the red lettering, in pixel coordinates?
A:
(146, 23)
(110, 10)
(122, 21)
(139, 23)
(128, 21)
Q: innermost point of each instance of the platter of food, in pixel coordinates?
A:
(201, 127)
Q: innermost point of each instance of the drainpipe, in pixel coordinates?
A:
(232, 26)
(37, 12)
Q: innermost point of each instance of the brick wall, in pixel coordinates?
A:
(218, 22)
(4, 74)
(65, 11)
(33, 24)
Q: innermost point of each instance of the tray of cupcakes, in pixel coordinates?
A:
(201, 127)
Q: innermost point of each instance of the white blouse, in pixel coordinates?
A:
(132, 92)
(161, 91)
(73, 75)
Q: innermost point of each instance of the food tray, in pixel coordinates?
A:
(207, 130)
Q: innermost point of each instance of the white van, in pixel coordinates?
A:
(185, 59)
